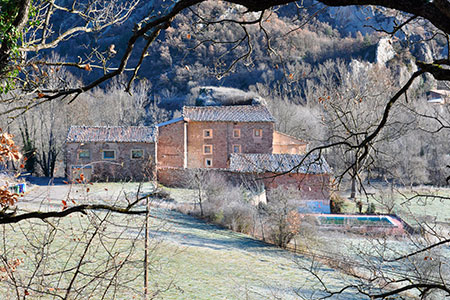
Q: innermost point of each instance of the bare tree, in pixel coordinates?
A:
(95, 253)
(282, 214)
(432, 16)
(94, 16)
(119, 108)
(197, 179)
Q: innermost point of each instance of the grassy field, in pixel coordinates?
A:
(415, 205)
(429, 204)
(213, 263)
(190, 259)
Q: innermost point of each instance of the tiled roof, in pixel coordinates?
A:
(278, 163)
(235, 113)
(80, 134)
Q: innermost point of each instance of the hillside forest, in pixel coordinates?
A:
(358, 82)
(324, 76)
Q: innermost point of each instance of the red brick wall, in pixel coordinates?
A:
(123, 167)
(222, 141)
(170, 148)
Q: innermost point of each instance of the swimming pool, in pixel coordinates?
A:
(356, 220)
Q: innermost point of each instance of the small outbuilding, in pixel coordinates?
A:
(309, 174)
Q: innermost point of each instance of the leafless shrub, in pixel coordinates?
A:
(226, 205)
(220, 201)
(283, 218)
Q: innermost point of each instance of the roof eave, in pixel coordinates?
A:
(170, 122)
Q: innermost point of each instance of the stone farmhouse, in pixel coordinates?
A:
(110, 153)
(205, 136)
(234, 140)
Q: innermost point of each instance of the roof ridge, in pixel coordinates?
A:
(111, 134)
(229, 113)
(234, 105)
(168, 122)
(113, 126)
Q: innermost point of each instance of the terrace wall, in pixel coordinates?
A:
(313, 187)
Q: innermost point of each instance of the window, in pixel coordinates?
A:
(257, 133)
(208, 162)
(109, 154)
(137, 154)
(236, 148)
(207, 149)
(84, 154)
(207, 133)
(236, 133)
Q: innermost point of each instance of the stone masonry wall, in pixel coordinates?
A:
(285, 144)
(223, 141)
(170, 148)
(312, 186)
(172, 177)
(123, 167)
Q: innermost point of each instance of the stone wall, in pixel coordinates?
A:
(172, 177)
(170, 148)
(223, 141)
(285, 144)
(123, 167)
(314, 187)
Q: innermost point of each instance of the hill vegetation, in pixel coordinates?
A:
(323, 75)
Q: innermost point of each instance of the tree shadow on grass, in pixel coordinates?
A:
(190, 231)
(44, 181)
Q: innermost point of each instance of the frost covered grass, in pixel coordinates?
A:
(415, 205)
(190, 259)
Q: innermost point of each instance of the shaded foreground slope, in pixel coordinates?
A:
(190, 259)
